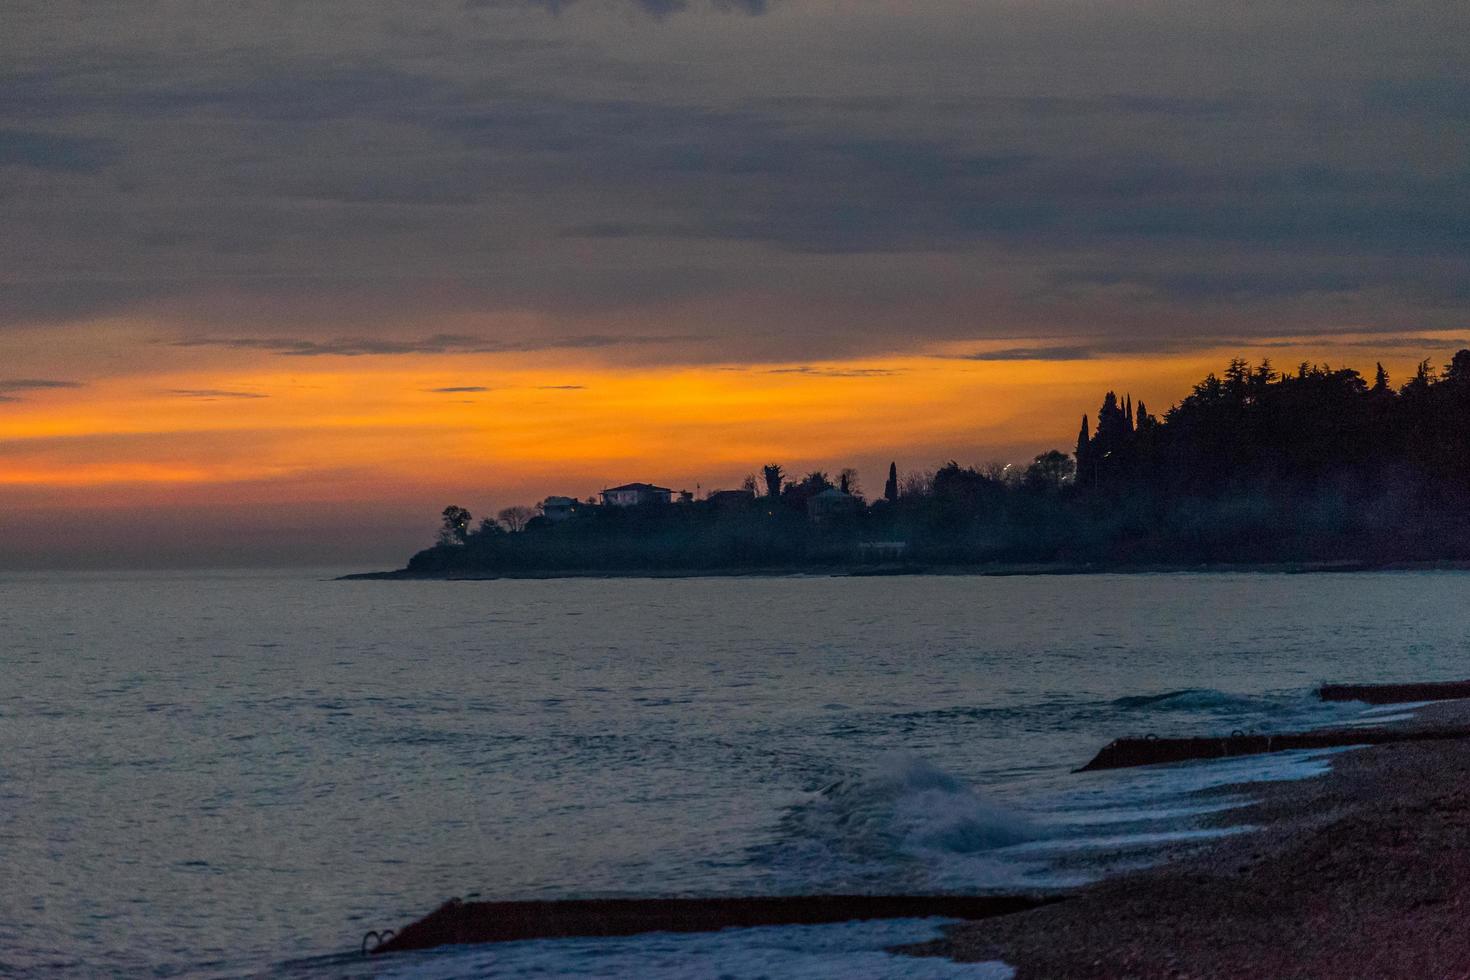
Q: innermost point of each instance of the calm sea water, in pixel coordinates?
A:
(243, 772)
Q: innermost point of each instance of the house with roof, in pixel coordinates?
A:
(832, 504)
(730, 498)
(633, 494)
(558, 509)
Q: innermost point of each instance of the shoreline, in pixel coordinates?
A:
(1259, 885)
(1362, 871)
(991, 570)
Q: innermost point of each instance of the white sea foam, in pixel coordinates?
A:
(1115, 842)
(1390, 709)
(902, 824)
(934, 811)
(906, 824)
(1142, 814)
(1377, 720)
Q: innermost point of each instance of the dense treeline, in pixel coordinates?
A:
(1255, 427)
(1254, 465)
(1314, 463)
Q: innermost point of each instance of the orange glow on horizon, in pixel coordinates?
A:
(397, 429)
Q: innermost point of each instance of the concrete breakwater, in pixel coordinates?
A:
(457, 922)
(1148, 751)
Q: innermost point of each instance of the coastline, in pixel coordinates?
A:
(994, 570)
(1363, 871)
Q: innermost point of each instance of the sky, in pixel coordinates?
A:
(280, 279)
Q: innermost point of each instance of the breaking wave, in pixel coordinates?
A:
(895, 825)
(1190, 699)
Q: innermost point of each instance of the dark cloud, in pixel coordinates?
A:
(54, 152)
(834, 194)
(59, 299)
(9, 387)
(824, 180)
(1119, 106)
(214, 394)
(436, 344)
(657, 9)
(457, 389)
(1063, 353)
(244, 84)
(1442, 97)
(344, 347)
(1407, 343)
(619, 229)
(561, 387)
(1125, 346)
(1210, 285)
(822, 372)
(27, 384)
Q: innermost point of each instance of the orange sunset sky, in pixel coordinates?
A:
(278, 281)
(258, 458)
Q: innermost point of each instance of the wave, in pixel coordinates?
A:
(891, 824)
(1190, 699)
(933, 811)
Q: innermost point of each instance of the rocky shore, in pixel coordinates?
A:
(1363, 872)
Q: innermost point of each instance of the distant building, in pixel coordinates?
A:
(832, 504)
(633, 494)
(558, 509)
(731, 498)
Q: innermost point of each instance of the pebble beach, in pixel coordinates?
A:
(1362, 872)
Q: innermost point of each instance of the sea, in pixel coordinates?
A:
(241, 773)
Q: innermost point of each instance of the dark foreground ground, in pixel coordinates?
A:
(1362, 873)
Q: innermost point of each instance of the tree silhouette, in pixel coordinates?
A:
(795, 495)
(1049, 472)
(917, 484)
(773, 475)
(456, 525)
(890, 488)
(1457, 372)
(516, 518)
(1380, 381)
(963, 492)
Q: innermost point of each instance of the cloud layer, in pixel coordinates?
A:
(704, 185)
(11, 389)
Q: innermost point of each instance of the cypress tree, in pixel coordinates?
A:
(890, 489)
(1082, 442)
(1380, 380)
(1111, 423)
